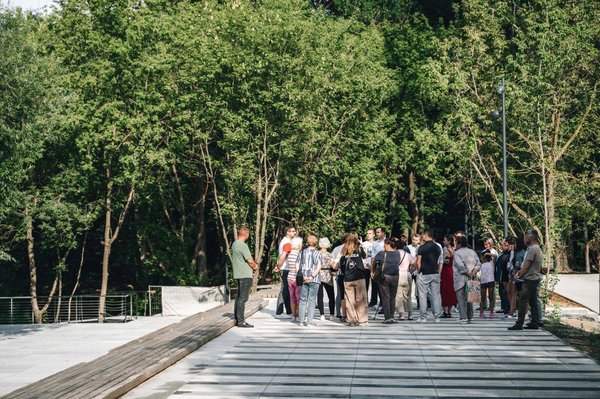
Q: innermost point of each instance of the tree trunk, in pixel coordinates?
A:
(76, 285)
(391, 208)
(586, 249)
(109, 238)
(412, 204)
(105, 256)
(59, 299)
(37, 314)
(199, 259)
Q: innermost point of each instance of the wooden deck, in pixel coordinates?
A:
(127, 366)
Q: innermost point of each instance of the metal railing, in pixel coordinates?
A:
(76, 309)
(154, 300)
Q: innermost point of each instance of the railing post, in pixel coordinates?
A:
(11, 311)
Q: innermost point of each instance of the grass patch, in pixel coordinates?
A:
(585, 341)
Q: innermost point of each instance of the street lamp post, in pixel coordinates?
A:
(501, 90)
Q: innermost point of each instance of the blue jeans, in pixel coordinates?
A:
(308, 298)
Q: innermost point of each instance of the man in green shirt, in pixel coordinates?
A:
(243, 268)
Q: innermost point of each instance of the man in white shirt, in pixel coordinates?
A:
(285, 247)
(413, 248)
(377, 247)
(368, 247)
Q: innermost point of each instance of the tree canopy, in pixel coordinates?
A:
(137, 136)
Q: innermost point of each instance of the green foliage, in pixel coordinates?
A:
(226, 113)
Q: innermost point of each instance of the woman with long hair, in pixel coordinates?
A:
(351, 262)
(446, 278)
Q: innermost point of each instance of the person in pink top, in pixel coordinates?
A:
(403, 295)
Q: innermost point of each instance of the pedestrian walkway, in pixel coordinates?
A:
(125, 367)
(581, 288)
(278, 359)
(33, 352)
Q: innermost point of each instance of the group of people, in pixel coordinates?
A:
(441, 276)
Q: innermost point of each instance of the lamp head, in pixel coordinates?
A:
(495, 115)
(500, 89)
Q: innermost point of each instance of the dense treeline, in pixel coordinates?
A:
(135, 136)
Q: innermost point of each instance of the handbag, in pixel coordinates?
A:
(299, 274)
(473, 291)
(379, 270)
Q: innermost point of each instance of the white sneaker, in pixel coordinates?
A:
(464, 321)
(322, 317)
(437, 320)
(420, 320)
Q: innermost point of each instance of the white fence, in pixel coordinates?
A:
(185, 301)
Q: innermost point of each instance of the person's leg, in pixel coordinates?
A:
(523, 301)
(513, 298)
(350, 296)
(415, 285)
(384, 295)
(304, 305)
(320, 300)
(503, 298)
(367, 281)
(244, 285)
(462, 302)
(338, 295)
(374, 293)
(294, 299)
(482, 299)
(408, 304)
(436, 296)
(539, 304)
(285, 293)
(423, 285)
(534, 304)
(313, 289)
(331, 298)
(469, 309)
(361, 304)
(236, 302)
(393, 292)
(401, 294)
(492, 296)
(343, 303)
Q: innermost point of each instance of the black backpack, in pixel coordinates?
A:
(355, 267)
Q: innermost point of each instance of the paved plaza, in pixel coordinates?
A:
(581, 288)
(278, 359)
(33, 352)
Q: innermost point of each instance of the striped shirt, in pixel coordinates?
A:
(311, 261)
(292, 260)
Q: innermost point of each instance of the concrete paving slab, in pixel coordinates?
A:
(482, 359)
(34, 352)
(580, 288)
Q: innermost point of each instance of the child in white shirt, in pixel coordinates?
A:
(488, 285)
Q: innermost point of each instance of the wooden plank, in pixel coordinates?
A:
(128, 365)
